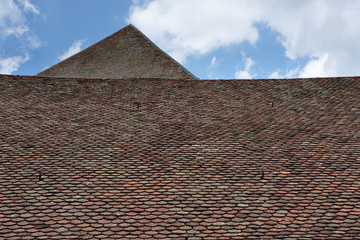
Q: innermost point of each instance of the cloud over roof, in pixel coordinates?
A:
(325, 32)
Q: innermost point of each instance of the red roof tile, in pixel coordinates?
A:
(220, 159)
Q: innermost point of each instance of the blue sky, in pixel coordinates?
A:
(213, 39)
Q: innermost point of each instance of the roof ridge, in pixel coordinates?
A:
(199, 79)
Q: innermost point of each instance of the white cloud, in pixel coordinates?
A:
(15, 30)
(326, 31)
(13, 23)
(246, 72)
(317, 67)
(195, 27)
(34, 41)
(74, 48)
(28, 6)
(11, 64)
(292, 73)
(214, 63)
(276, 74)
(12, 17)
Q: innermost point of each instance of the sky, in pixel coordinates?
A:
(213, 39)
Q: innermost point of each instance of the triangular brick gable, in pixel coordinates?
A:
(127, 53)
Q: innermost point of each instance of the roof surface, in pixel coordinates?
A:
(170, 159)
(127, 53)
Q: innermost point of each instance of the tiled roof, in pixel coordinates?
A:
(127, 53)
(177, 159)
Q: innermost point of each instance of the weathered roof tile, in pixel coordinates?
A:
(198, 159)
